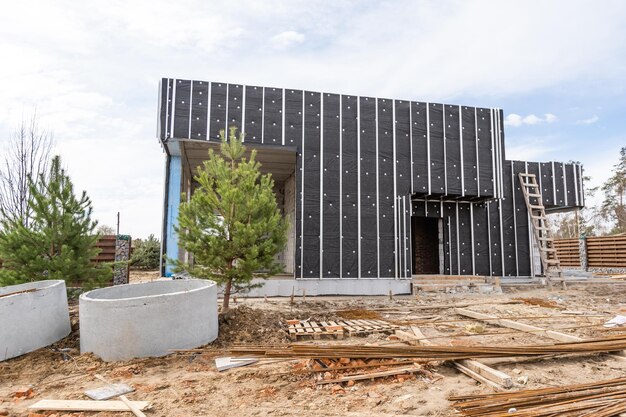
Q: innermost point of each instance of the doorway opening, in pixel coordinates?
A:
(426, 242)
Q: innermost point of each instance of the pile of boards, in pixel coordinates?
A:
(598, 399)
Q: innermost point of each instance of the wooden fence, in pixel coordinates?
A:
(607, 251)
(568, 251)
(602, 252)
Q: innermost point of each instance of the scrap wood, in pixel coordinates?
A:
(371, 375)
(606, 344)
(534, 301)
(350, 367)
(531, 329)
(600, 399)
(86, 405)
(474, 369)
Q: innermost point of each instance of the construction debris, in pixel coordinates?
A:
(225, 363)
(598, 399)
(110, 391)
(430, 353)
(616, 321)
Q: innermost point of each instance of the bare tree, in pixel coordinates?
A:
(27, 156)
(105, 229)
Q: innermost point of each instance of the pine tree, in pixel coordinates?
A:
(59, 242)
(613, 208)
(146, 254)
(232, 225)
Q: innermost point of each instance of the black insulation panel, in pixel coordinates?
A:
(508, 221)
(522, 223)
(559, 183)
(330, 198)
(199, 109)
(403, 147)
(386, 188)
(217, 117)
(273, 116)
(485, 153)
(419, 136)
(254, 113)
(468, 132)
(349, 179)
(182, 104)
(495, 243)
(546, 183)
(235, 111)
(453, 150)
(369, 235)
(465, 238)
(164, 107)
(450, 238)
(437, 150)
(480, 215)
(311, 220)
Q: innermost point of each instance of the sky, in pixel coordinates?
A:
(91, 70)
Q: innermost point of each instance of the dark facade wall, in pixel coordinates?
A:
(360, 163)
(498, 239)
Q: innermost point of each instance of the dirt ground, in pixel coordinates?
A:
(187, 384)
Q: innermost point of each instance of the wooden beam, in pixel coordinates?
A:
(371, 375)
(86, 405)
(527, 328)
(474, 369)
(562, 337)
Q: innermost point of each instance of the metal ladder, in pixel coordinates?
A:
(545, 242)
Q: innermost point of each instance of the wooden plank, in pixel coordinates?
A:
(487, 372)
(561, 337)
(86, 405)
(407, 337)
(371, 375)
(477, 370)
(477, 376)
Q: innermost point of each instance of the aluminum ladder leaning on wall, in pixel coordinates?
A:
(545, 242)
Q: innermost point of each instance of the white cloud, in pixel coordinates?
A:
(549, 117)
(285, 40)
(591, 120)
(515, 120)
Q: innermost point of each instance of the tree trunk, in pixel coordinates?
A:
(226, 303)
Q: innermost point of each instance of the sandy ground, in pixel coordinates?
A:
(187, 384)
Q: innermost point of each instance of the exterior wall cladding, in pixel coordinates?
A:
(366, 165)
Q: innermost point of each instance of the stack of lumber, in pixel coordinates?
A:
(598, 399)
(606, 344)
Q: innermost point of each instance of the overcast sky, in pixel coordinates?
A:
(91, 69)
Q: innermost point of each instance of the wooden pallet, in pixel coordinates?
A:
(332, 329)
(308, 329)
(363, 327)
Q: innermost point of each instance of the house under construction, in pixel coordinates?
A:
(376, 190)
